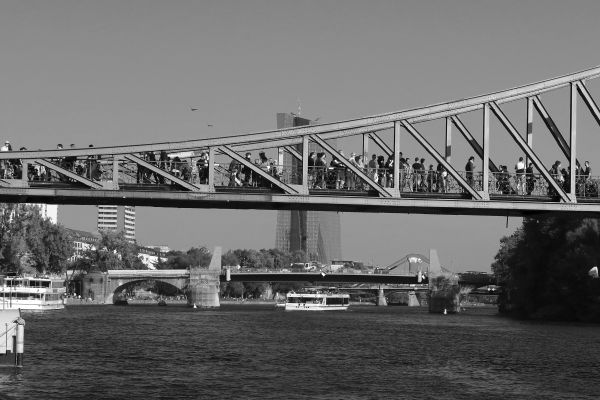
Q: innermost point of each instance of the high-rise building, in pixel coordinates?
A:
(318, 233)
(117, 218)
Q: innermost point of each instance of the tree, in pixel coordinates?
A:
(112, 252)
(28, 241)
(13, 226)
(50, 245)
(543, 268)
(194, 257)
(229, 259)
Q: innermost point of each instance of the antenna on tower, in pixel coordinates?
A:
(299, 107)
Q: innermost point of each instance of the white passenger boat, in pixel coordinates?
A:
(31, 293)
(317, 301)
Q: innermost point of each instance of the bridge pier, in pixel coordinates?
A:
(381, 300)
(413, 301)
(444, 290)
(204, 285)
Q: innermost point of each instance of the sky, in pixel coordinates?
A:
(128, 71)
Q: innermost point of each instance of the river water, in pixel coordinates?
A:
(246, 351)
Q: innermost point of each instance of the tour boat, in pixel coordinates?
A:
(316, 301)
(31, 293)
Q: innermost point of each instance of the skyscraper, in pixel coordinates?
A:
(318, 233)
(117, 218)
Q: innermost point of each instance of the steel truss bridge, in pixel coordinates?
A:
(214, 173)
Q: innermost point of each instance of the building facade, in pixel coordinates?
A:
(117, 218)
(318, 233)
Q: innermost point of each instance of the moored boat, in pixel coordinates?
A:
(31, 293)
(316, 301)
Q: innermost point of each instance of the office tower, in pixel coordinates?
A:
(117, 218)
(318, 233)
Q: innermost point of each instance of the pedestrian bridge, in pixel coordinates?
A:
(217, 173)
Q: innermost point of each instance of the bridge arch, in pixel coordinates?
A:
(112, 294)
(101, 286)
(410, 263)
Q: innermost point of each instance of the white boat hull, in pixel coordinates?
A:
(314, 307)
(34, 305)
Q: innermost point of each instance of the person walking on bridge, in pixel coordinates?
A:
(520, 170)
(469, 169)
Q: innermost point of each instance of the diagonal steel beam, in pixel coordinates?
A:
(293, 152)
(589, 101)
(234, 155)
(386, 149)
(351, 167)
(161, 172)
(440, 159)
(67, 173)
(558, 137)
(472, 141)
(532, 156)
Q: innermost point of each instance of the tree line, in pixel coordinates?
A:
(30, 243)
(543, 267)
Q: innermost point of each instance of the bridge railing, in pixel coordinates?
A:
(433, 181)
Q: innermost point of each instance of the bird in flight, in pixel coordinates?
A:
(193, 109)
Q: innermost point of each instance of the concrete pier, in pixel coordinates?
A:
(381, 300)
(203, 288)
(413, 301)
(444, 290)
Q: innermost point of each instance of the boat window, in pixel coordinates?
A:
(335, 300)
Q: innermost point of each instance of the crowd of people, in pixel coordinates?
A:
(13, 168)
(413, 176)
(332, 174)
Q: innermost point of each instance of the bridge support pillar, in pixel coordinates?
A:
(413, 301)
(204, 285)
(444, 291)
(381, 301)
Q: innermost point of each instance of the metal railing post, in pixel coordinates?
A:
(486, 151)
(305, 162)
(573, 141)
(529, 127)
(448, 154)
(397, 129)
(115, 172)
(211, 168)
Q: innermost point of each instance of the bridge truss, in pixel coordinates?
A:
(214, 173)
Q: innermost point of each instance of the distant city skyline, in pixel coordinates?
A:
(108, 73)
